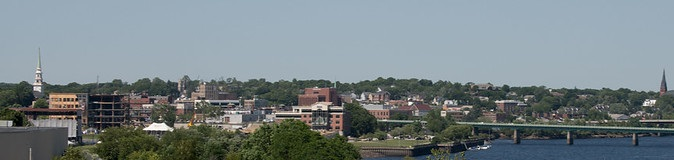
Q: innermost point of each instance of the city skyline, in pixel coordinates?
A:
(616, 44)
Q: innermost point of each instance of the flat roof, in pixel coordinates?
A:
(26, 129)
(43, 110)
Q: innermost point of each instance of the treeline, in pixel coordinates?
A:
(16, 95)
(290, 139)
(541, 98)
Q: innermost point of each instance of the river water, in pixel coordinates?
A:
(658, 148)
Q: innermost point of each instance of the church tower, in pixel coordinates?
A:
(663, 84)
(37, 85)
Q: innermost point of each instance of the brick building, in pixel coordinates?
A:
(313, 95)
(510, 106)
(142, 104)
(255, 103)
(417, 110)
(495, 117)
(380, 112)
(321, 116)
(207, 91)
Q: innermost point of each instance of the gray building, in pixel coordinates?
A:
(32, 143)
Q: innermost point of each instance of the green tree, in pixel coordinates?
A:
(408, 130)
(435, 122)
(21, 93)
(542, 107)
(292, 139)
(362, 122)
(208, 110)
(219, 144)
(596, 115)
(143, 155)
(159, 87)
(142, 85)
(41, 103)
(380, 135)
(619, 108)
(399, 116)
(119, 143)
(162, 113)
(183, 144)
(18, 119)
(453, 133)
(473, 114)
(7, 98)
(665, 104)
(437, 154)
(24, 93)
(72, 153)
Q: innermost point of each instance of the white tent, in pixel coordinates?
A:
(160, 127)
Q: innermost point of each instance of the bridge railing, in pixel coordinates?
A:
(552, 127)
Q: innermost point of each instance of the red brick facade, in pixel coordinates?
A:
(381, 114)
(313, 95)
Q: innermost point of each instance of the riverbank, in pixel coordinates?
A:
(416, 150)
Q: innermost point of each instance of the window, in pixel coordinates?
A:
(336, 116)
(336, 122)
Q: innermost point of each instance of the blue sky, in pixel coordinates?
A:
(583, 44)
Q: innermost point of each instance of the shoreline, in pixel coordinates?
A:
(418, 150)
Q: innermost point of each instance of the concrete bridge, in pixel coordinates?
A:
(657, 121)
(569, 128)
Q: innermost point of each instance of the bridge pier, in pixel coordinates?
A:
(569, 138)
(658, 126)
(474, 131)
(635, 139)
(516, 137)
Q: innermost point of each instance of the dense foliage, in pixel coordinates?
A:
(119, 143)
(18, 119)
(453, 133)
(71, 153)
(16, 94)
(162, 113)
(362, 122)
(41, 103)
(436, 123)
(293, 139)
(286, 140)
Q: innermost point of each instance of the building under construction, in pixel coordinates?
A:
(107, 111)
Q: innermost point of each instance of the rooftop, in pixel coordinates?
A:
(26, 129)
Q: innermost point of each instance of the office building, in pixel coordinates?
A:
(314, 95)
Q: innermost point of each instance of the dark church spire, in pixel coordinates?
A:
(663, 84)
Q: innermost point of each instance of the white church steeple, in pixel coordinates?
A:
(37, 85)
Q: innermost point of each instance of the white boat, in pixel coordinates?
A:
(484, 147)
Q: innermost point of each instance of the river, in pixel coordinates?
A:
(658, 148)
